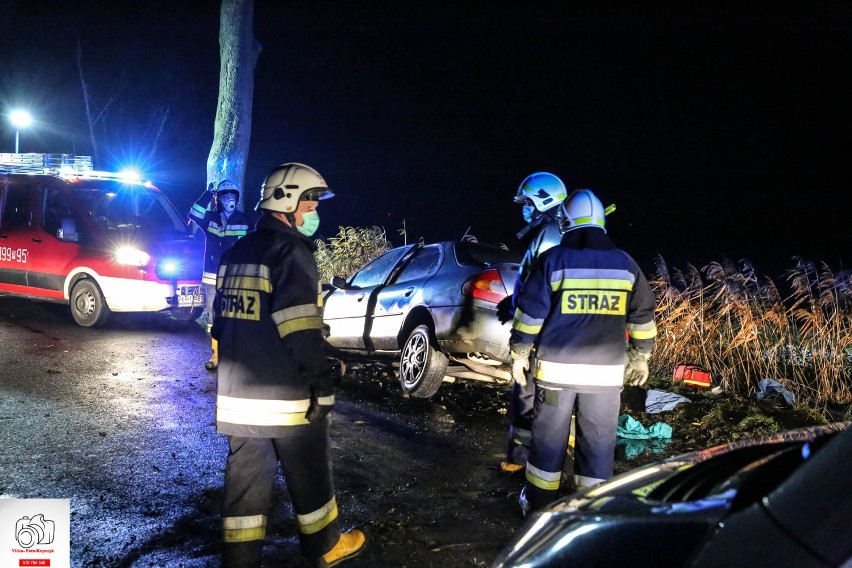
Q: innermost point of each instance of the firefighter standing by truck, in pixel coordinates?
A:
(540, 194)
(275, 387)
(215, 213)
(580, 301)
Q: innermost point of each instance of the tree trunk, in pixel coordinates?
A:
(238, 52)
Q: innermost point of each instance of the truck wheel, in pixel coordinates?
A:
(88, 306)
(421, 366)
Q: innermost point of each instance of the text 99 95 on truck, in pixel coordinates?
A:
(97, 241)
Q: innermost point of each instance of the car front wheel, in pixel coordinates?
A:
(421, 366)
(88, 306)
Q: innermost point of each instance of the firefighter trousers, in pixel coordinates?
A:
(521, 408)
(249, 481)
(209, 305)
(594, 452)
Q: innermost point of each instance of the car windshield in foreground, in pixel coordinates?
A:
(471, 254)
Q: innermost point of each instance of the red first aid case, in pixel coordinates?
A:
(694, 375)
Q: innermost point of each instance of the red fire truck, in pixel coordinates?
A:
(97, 241)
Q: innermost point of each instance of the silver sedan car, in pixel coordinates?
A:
(430, 307)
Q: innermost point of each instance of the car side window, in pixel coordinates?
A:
(16, 207)
(58, 217)
(377, 271)
(424, 264)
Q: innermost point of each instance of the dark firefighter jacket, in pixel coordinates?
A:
(219, 233)
(269, 327)
(579, 302)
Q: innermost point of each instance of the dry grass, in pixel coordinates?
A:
(727, 319)
(349, 250)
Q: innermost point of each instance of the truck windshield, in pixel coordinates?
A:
(129, 207)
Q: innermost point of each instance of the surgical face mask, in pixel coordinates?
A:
(528, 212)
(310, 222)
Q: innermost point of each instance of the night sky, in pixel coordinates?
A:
(720, 131)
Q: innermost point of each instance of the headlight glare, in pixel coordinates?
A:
(132, 256)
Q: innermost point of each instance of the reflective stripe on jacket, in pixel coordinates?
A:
(269, 327)
(579, 302)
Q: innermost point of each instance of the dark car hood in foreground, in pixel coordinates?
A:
(681, 511)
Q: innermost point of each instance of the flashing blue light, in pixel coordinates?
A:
(170, 267)
(806, 450)
(131, 175)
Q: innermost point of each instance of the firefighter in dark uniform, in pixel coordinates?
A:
(275, 387)
(580, 301)
(540, 194)
(222, 226)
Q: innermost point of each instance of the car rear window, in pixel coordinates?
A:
(471, 254)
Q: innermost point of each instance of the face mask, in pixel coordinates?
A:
(310, 222)
(528, 212)
(229, 203)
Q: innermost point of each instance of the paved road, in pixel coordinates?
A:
(121, 421)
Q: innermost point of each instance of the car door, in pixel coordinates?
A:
(395, 300)
(346, 309)
(17, 235)
(57, 232)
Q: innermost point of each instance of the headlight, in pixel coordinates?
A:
(132, 256)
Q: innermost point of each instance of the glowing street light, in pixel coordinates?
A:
(20, 119)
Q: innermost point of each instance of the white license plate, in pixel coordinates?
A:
(190, 295)
(185, 300)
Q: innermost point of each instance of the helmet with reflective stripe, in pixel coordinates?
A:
(543, 189)
(227, 186)
(289, 183)
(582, 209)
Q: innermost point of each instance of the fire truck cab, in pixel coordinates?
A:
(97, 241)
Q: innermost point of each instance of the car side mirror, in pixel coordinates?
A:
(338, 282)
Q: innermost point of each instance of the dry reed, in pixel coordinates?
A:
(727, 319)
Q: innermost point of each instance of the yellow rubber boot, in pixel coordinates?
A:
(213, 363)
(350, 545)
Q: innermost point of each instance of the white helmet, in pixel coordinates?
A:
(227, 186)
(288, 183)
(543, 189)
(582, 209)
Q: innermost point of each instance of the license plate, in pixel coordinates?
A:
(189, 300)
(190, 295)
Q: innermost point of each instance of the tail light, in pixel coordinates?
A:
(486, 286)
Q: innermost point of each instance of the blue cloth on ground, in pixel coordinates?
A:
(767, 388)
(634, 438)
(630, 428)
(661, 401)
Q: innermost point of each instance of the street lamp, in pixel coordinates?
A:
(20, 119)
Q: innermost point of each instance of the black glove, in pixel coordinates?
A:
(322, 395)
(322, 401)
(505, 312)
